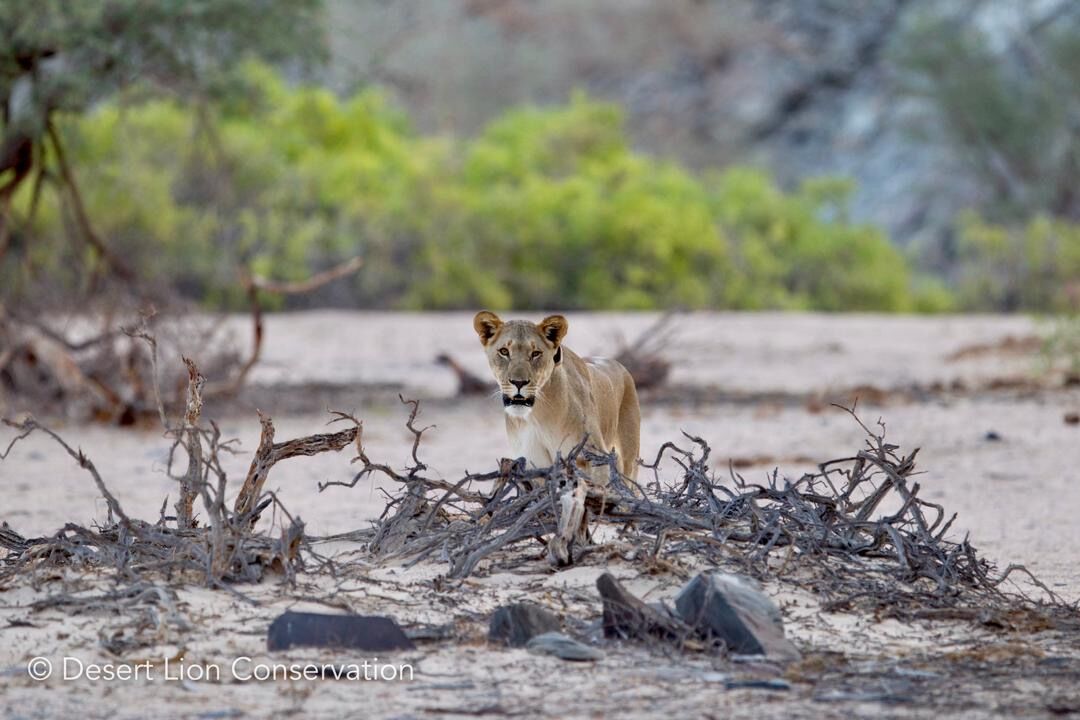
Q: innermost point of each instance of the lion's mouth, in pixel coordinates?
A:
(518, 400)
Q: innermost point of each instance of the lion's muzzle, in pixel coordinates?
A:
(519, 400)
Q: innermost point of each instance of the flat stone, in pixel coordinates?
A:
(713, 677)
(359, 632)
(563, 647)
(731, 610)
(516, 624)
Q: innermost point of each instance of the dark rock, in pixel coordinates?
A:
(992, 436)
(1063, 706)
(1072, 418)
(359, 632)
(728, 609)
(627, 617)
(516, 624)
(758, 684)
(563, 647)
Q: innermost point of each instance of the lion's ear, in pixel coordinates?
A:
(553, 328)
(486, 325)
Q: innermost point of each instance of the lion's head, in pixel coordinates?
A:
(522, 356)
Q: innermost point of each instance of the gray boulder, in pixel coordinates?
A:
(516, 624)
(729, 609)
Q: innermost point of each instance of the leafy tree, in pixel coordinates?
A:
(1010, 109)
(60, 57)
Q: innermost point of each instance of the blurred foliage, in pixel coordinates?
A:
(1033, 267)
(60, 58)
(544, 209)
(67, 55)
(1011, 111)
(1061, 344)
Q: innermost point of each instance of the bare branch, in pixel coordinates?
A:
(269, 453)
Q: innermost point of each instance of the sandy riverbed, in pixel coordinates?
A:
(1017, 495)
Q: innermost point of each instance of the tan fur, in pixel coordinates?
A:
(573, 397)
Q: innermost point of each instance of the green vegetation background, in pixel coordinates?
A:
(545, 208)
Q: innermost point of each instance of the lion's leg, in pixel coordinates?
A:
(629, 430)
(571, 524)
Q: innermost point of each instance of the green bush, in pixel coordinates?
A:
(1035, 267)
(547, 208)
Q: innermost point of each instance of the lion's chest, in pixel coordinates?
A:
(532, 442)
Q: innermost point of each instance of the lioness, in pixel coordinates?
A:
(553, 399)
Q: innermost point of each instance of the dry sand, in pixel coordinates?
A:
(1017, 497)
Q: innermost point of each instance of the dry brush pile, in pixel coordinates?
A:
(856, 530)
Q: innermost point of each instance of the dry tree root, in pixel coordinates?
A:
(190, 482)
(463, 525)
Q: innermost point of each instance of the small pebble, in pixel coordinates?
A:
(563, 647)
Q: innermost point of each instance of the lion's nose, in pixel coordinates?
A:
(519, 384)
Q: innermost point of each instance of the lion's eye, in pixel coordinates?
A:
(536, 354)
(504, 352)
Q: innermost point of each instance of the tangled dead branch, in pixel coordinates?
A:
(270, 453)
(93, 366)
(856, 530)
(224, 549)
(467, 382)
(103, 368)
(643, 356)
(254, 285)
